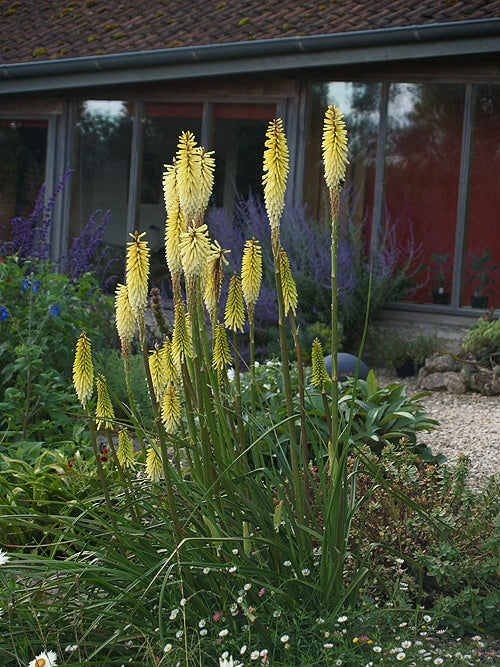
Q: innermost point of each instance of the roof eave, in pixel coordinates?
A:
(391, 44)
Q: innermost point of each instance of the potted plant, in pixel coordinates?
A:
(440, 269)
(480, 275)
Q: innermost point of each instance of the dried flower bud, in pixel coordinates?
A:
(234, 315)
(83, 370)
(334, 147)
(275, 171)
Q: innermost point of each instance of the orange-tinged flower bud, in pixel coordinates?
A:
(334, 147)
(234, 314)
(137, 272)
(83, 370)
(275, 171)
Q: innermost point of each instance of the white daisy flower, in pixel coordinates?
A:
(48, 659)
(4, 557)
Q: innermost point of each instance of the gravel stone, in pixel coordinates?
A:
(469, 424)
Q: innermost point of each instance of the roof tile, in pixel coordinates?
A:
(48, 29)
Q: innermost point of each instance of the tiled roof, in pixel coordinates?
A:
(37, 30)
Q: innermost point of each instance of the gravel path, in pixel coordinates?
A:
(469, 424)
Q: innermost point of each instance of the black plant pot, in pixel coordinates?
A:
(440, 297)
(407, 368)
(479, 301)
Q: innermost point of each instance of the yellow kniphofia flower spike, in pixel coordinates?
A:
(195, 251)
(334, 147)
(169, 183)
(251, 273)
(275, 171)
(206, 178)
(170, 409)
(125, 451)
(157, 373)
(182, 345)
(215, 276)
(188, 172)
(221, 355)
(154, 465)
(83, 370)
(137, 273)
(125, 320)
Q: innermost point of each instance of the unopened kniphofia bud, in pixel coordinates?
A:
(318, 372)
(83, 370)
(104, 412)
(234, 314)
(137, 272)
(288, 286)
(157, 374)
(251, 274)
(168, 364)
(182, 346)
(275, 171)
(334, 148)
(125, 451)
(215, 275)
(221, 356)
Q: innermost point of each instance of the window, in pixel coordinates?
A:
(23, 147)
(482, 247)
(422, 169)
(102, 165)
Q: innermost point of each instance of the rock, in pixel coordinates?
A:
(482, 382)
(442, 363)
(447, 381)
(346, 366)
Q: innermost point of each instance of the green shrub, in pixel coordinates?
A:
(41, 314)
(483, 340)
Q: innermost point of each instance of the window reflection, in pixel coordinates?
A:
(23, 147)
(422, 167)
(482, 252)
(102, 162)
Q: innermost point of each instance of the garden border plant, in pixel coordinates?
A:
(219, 531)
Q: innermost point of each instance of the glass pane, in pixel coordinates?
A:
(424, 137)
(102, 163)
(239, 135)
(482, 253)
(23, 149)
(359, 102)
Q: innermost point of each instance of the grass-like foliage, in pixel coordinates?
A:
(243, 516)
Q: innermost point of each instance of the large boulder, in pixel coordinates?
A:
(447, 381)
